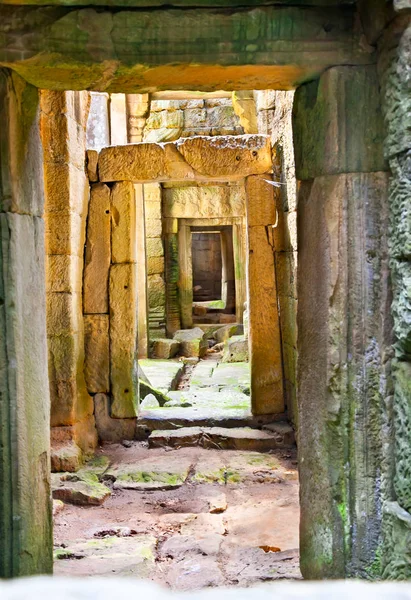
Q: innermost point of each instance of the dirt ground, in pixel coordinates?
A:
(233, 521)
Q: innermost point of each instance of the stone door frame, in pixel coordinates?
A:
(225, 158)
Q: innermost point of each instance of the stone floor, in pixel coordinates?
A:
(211, 389)
(186, 519)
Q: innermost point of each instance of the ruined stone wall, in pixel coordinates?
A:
(273, 116)
(63, 131)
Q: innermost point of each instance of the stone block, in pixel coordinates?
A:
(154, 247)
(235, 349)
(261, 204)
(66, 458)
(111, 430)
(192, 342)
(330, 132)
(288, 319)
(195, 117)
(165, 348)
(64, 273)
(285, 233)
(198, 202)
(152, 209)
(66, 188)
(401, 307)
(63, 313)
(92, 160)
(123, 340)
(97, 353)
(226, 318)
(98, 251)
(290, 362)
(286, 271)
(155, 265)
(402, 419)
(65, 233)
(225, 158)
(156, 291)
(400, 206)
(152, 193)
(264, 328)
(153, 228)
(118, 119)
(123, 223)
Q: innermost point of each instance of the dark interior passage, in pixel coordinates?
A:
(207, 266)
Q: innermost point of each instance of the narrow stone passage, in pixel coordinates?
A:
(187, 518)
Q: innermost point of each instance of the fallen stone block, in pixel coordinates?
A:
(223, 333)
(66, 457)
(235, 349)
(192, 342)
(83, 489)
(165, 348)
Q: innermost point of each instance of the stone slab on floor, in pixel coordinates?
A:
(215, 437)
(165, 348)
(132, 556)
(232, 375)
(175, 417)
(211, 398)
(202, 374)
(157, 473)
(82, 489)
(162, 374)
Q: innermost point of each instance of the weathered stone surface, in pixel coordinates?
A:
(83, 488)
(157, 473)
(123, 223)
(26, 539)
(343, 292)
(402, 420)
(64, 273)
(123, 340)
(266, 50)
(156, 291)
(402, 5)
(92, 160)
(223, 333)
(98, 253)
(165, 348)
(111, 430)
(153, 228)
(267, 394)
(212, 437)
(401, 306)
(235, 349)
(154, 247)
(192, 342)
(66, 457)
(200, 158)
(400, 209)
(396, 554)
(204, 202)
(97, 353)
(327, 140)
(66, 186)
(163, 375)
(155, 265)
(65, 233)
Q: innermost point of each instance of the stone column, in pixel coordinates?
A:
(394, 68)
(185, 277)
(240, 268)
(228, 275)
(25, 504)
(173, 319)
(142, 305)
(267, 394)
(67, 191)
(343, 321)
(137, 106)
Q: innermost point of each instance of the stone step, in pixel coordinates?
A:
(239, 438)
(175, 418)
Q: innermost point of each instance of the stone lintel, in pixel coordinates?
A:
(200, 158)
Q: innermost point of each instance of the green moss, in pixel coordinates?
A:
(221, 476)
(151, 477)
(374, 570)
(62, 554)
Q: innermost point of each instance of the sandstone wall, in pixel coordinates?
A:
(344, 325)
(273, 115)
(26, 545)
(63, 131)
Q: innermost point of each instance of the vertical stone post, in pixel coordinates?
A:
(137, 106)
(142, 305)
(240, 268)
(173, 318)
(25, 503)
(118, 120)
(267, 394)
(394, 67)
(228, 275)
(185, 279)
(343, 321)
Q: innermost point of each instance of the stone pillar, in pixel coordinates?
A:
(123, 302)
(394, 68)
(267, 394)
(173, 319)
(228, 275)
(185, 278)
(25, 504)
(142, 306)
(63, 131)
(118, 120)
(343, 321)
(240, 268)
